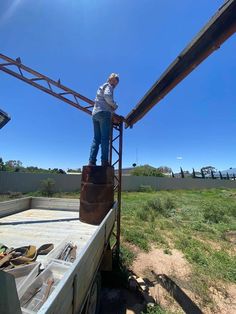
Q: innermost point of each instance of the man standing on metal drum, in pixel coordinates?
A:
(102, 120)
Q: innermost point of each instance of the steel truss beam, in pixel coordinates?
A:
(47, 85)
(219, 29)
(44, 83)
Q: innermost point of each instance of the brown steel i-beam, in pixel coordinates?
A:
(218, 29)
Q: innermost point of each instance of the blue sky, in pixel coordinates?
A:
(82, 42)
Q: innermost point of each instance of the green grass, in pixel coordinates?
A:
(157, 310)
(216, 264)
(127, 256)
(193, 222)
(204, 214)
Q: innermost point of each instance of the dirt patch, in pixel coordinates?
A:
(161, 263)
(231, 236)
(212, 244)
(135, 249)
(224, 298)
(175, 267)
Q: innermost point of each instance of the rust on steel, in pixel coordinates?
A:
(216, 31)
(118, 218)
(116, 146)
(97, 193)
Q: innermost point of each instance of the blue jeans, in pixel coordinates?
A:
(102, 127)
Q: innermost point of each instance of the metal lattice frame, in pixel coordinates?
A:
(116, 147)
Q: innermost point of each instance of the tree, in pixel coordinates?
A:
(61, 171)
(208, 170)
(12, 165)
(146, 170)
(164, 169)
(74, 170)
(2, 166)
(17, 166)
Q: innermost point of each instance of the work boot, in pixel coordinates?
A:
(105, 163)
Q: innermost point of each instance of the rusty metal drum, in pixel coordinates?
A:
(97, 193)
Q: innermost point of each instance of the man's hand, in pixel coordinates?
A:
(117, 119)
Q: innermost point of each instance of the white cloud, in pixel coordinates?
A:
(8, 13)
(179, 157)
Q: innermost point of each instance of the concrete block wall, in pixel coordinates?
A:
(29, 182)
(131, 183)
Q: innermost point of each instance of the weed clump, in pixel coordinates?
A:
(156, 309)
(127, 256)
(13, 195)
(137, 237)
(146, 188)
(157, 206)
(143, 214)
(214, 213)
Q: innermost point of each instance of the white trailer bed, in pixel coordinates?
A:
(36, 221)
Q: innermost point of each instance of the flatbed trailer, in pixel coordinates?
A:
(36, 221)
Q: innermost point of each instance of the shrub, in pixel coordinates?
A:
(143, 214)
(165, 208)
(169, 203)
(155, 204)
(145, 188)
(47, 187)
(214, 214)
